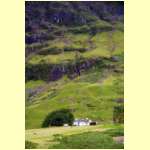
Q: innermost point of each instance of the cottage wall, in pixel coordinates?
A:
(81, 122)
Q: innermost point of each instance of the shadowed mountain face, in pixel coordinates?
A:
(70, 13)
(43, 15)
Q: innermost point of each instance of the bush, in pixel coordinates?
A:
(80, 29)
(58, 118)
(75, 49)
(30, 145)
(52, 50)
(93, 123)
(118, 114)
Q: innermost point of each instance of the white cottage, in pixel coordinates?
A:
(82, 122)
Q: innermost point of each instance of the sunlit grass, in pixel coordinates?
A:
(77, 96)
(47, 137)
(103, 44)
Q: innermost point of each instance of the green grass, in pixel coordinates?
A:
(111, 41)
(91, 93)
(85, 98)
(45, 136)
(119, 131)
(52, 59)
(103, 44)
(100, 24)
(89, 140)
(98, 52)
(52, 137)
(34, 84)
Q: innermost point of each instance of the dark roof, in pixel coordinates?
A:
(119, 100)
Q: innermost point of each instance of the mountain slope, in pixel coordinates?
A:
(74, 59)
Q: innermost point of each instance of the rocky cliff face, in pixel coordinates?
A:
(44, 15)
(48, 22)
(71, 13)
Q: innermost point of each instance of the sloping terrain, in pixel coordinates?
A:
(90, 137)
(74, 59)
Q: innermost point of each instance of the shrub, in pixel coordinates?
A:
(118, 114)
(82, 49)
(58, 118)
(52, 50)
(30, 145)
(93, 123)
(80, 29)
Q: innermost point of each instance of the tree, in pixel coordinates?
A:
(58, 118)
(118, 114)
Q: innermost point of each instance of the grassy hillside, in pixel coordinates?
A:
(91, 95)
(105, 44)
(74, 59)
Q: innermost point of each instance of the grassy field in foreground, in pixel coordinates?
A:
(48, 137)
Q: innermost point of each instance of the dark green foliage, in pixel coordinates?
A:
(90, 105)
(53, 50)
(118, 114)
(75, 49)
(30, 145)
(93, 123)
(37, 72)
(89, 140)
(82, 29)
(58, 118)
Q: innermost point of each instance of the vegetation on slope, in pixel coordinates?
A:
(84, 98)
(74, 59)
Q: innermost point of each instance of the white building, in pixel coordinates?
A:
(66, 125)
(82, 122)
